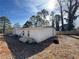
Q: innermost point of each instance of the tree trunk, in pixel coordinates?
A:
(57, 25)
(61, 11)
(62, 22)
(52, 23)
(70, 25)
(4, 26)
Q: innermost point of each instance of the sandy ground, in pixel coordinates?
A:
(5, 53)
(68, 48)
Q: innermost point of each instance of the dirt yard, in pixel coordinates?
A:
(68, 48)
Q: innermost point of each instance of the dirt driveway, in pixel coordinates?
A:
(68, 48)
(5, 52)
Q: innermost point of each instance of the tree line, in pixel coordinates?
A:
(5, 24)
(68, 8)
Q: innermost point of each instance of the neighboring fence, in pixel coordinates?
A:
(67, 32)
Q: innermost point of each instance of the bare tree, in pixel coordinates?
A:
(52, 18)
(61, 11)
(72, 7)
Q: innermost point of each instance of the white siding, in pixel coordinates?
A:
(38, 34)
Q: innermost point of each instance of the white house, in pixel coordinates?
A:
(38, 34)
